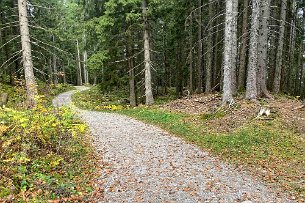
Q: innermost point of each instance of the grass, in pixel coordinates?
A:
(267, 149)
(45, 153)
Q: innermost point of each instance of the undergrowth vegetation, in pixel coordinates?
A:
(17, 93)
(94, 100)
(266, 148)
(45, 153)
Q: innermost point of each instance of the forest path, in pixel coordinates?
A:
(146, 164)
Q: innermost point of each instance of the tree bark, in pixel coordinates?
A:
(279, 55)
(50, 71)
(55, 71)
(234, 47)
(27, 54)
(147, 58)
(208, 81)
(243, 51)
(227, 80)
(292, 65)
(251, 90)
(199, 64)
(78, 66)
(85, 71)
(191, 56)
(131, 71)
(263, 49)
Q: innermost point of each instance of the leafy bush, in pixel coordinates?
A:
(43, 155)
(17, 94)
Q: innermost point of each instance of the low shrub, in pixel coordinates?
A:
(44, 154)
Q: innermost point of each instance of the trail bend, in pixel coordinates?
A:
(146, 164)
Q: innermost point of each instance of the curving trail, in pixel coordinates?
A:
(146, 164)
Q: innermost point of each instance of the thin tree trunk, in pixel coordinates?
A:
(227, 80)
(234, 47)
(50, 71)
(94, 80)
(199, 64)
(191, 55)
(263, 50)
(217, 70)
(251, 90)
(148, 78)
(279, 55)
(299, 77)
(179, 74)
(301, 60)
(208, 82)
(64, 75)
(273, 42)
(78, 66)
(132, 86)
(26, 54)
(243, 51)
(55, 70)
(85, 71)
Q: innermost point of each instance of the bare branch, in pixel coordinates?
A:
(9, 41)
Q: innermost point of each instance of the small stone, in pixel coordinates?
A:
(247, 201)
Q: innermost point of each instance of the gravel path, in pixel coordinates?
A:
(146, 164)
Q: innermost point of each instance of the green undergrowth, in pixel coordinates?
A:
(16, 94)
(45, 154)
(92, 99)
(267, 149)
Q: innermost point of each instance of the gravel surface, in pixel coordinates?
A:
(146, 164)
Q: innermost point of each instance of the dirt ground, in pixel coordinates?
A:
(226, 119)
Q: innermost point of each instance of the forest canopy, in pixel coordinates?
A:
(147, 47)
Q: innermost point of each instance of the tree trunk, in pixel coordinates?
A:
(199, 64)
(227, 80)
(263, 49)
(55, 70)
(50, 71)
(243, 51)
(208, 81)
(191, 56)
(147, 59)
(234, 47)
(179, 74)
(131, 71)
(217, 70)
(78, 66)
(292, 65)
(251, 90)
(301, 61)
(299, 77)
(85, 71)
(64, 75)
(27, 54)
(279, 55)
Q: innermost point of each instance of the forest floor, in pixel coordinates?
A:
(146, 164)
(207, 106)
